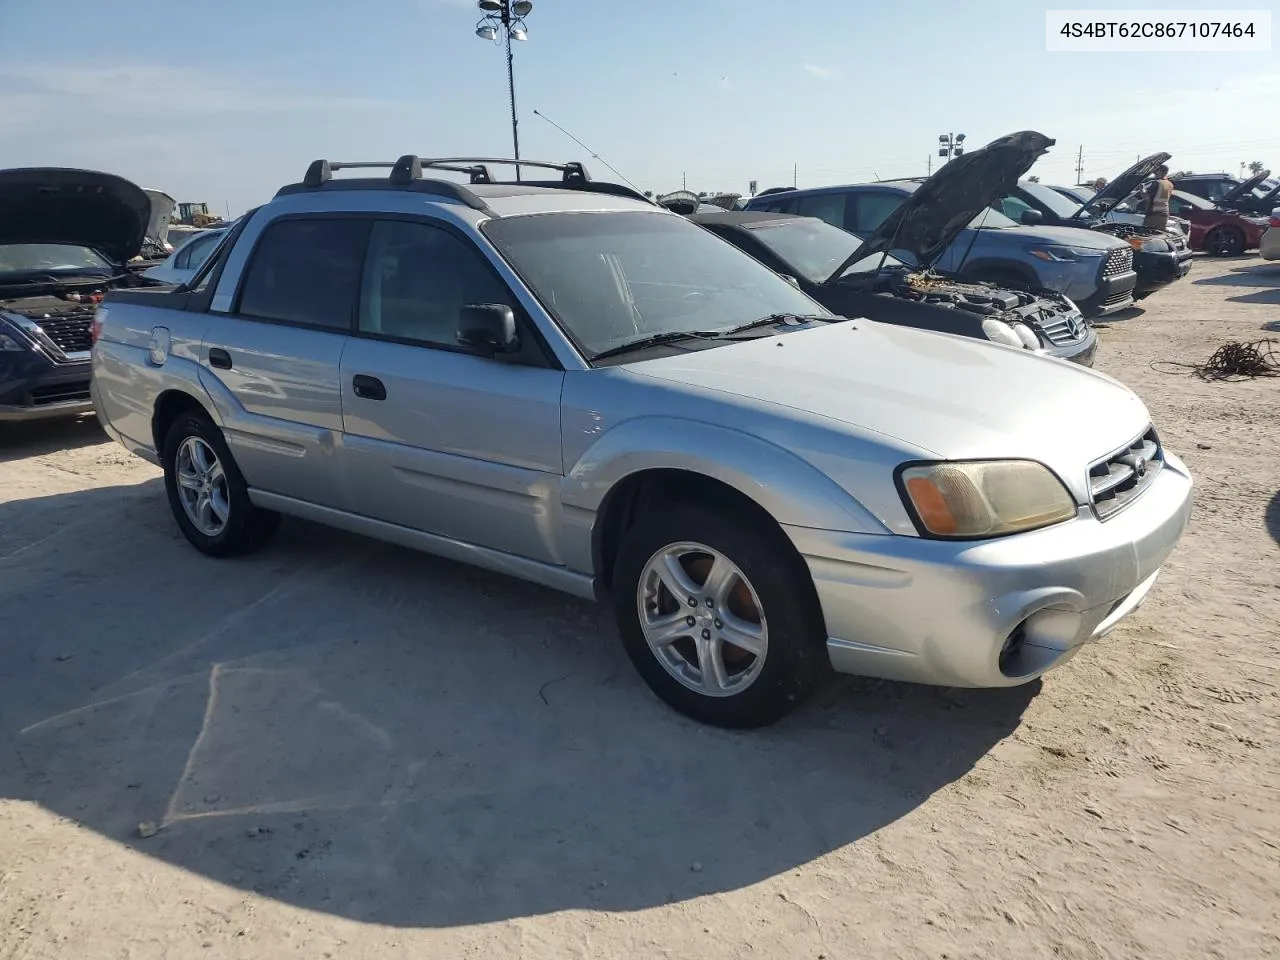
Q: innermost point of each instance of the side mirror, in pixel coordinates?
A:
(1031, 218)
(489, 328)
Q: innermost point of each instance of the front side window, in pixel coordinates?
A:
(306, 271)
(417, 280)
(611, 278)
(1051, 200)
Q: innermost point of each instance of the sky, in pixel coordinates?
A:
(225, 102)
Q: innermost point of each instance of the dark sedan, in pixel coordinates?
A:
(879, 287)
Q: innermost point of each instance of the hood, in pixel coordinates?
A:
(935, 213)
(161, 210)
(1123, 185)
(1243, 190)
(78, 207)
(952, 397)
(1061, 236)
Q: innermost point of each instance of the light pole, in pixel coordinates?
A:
(950, 145)
(505, 18)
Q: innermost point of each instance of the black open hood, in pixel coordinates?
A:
(80, 207)
(1123, 185)
(933, 216)
(1242, 190)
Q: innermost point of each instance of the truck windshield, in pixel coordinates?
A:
(611, 278)
(18, 260)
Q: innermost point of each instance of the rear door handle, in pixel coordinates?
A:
(219, 358)
(371, 388)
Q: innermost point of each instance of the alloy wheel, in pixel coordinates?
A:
(202, 486)
(702, 619)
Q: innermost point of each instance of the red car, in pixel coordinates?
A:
(1221, 232)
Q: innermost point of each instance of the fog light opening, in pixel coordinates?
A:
(1011, 651)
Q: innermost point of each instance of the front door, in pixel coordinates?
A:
(437, 438)
(272, 364)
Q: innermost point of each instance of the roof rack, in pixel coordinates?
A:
(408, 172)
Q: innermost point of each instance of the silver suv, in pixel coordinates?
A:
(563, 382)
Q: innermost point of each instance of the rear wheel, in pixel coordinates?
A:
(1225, 241)
(718, 615)
(207, 493)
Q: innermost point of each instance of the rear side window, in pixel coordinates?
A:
(824, 206)
(194, 253)
(873, 206)
(306, 272)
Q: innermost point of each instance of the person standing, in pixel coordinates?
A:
(1156, 200)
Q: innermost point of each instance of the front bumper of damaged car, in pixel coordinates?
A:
(990, 613)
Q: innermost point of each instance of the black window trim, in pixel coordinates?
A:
(538, 354)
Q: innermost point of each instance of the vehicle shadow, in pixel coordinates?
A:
(1273, 518)
(1261, 273)
(39, 437)
(380, 735)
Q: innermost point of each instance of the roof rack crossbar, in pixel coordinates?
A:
(572, 171)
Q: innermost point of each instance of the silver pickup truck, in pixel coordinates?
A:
(561, 381)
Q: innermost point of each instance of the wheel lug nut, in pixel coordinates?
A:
(689, 621)
(706, 634)
(710, 602)
(719, 624)
(693, 601)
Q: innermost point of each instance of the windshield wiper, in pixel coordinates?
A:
(669, 336)
(791, 319)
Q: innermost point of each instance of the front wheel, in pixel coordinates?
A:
(1225, 242)
(718, 615)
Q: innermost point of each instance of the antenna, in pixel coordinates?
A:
(594, 155)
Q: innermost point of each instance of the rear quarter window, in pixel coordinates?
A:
(307, 272)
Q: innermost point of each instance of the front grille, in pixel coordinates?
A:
(1061, 328)
(70, 333)
(1124, 296)
(1118, 480)
(61, 393)
(1118, 261)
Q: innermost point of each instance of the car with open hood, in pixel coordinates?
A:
(1219, 231)
(1216, 187)
(1159, 256)
(824, 262)
(561, 381)
(1094, 270)
(66, 237)
(1120, 213)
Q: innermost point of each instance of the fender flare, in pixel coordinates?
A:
(789, 489)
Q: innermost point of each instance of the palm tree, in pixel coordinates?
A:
(1256, 167)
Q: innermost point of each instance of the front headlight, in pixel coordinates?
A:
(998, 331)
(1066, 254)
(1027, 336)
(984, 499)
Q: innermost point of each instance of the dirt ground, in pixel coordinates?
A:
(351, 750)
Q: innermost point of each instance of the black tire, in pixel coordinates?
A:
(247, 528)
(795, 660)
(1225, 242)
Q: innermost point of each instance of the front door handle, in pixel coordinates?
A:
(219, 358)
(371, 388)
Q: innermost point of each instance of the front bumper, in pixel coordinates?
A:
(1082, 351)
(33, 387)
(929, 611)
(1110, 295)
(1158, 270)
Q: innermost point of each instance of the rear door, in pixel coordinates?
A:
(438, 438)
(272, 360)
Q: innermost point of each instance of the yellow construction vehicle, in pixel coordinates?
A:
(196, 215)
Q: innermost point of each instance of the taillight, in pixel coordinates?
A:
(1275, 220)
(95, 328)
